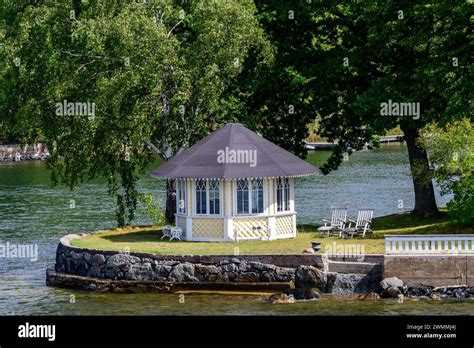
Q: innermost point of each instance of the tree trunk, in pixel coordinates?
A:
(170, 200)
(425, 202)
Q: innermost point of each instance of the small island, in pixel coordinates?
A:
(236, 229)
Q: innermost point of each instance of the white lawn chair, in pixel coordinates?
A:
(363, 224)
(176, 232)
(337, 222)
(166, 231)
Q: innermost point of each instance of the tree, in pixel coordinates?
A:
(156, 73)
(352, 57)
(278, 101)
(451, 152)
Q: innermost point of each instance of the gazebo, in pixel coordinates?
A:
(235, 185)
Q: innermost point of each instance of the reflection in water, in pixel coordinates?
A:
(33, 212)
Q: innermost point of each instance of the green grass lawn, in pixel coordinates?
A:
(147, 239)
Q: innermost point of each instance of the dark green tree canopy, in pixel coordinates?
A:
(339, 61)
(156, 72)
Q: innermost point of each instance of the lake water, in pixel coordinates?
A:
(33, 212)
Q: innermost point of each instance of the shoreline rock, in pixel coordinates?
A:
(17, 153)
(394, 287)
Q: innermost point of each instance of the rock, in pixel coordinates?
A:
(70, 266)
(183, 272)
(244, 266)
(281, 298)
(81, 268)
(391, 292)
(310, 277)
(470, 290)
(91, 286)
(435, 297)
(87, 256)
(417, 292)
(284, 274)
(459, 294)
(391, 282)
(205, 269)
(118, 260)
(218, 277)
(392, 287)
(304, 294)
(235, 260)
(139, 271)
(161, 270)
(230, 267)
(309, 251)
(76, 256)
(350, 283)
(232, 275)
(97, 259)
(262, 267)
(330, 280)
(95, 272)
(168, 263)
(247, 277)
(267, 277)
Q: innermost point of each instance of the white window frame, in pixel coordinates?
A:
(286, 195)
(184, 190)
(208, 190)
(221, 205)
(249, 188)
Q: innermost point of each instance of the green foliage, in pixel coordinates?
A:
(153, 208)
(461, 208)
(337, 61)
(403, 56)
(159, 72)
(451, 152)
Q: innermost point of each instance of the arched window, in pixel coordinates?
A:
(214, 200)
(181, 196)
(242, 196)
(286, 204)
(257, 196)
(250, 196)
(208, 197)
(201, 199)
(283, 194)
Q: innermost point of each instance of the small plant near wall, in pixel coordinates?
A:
(153, 208)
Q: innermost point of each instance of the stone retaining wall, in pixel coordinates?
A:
(115, 265)
(331, 275)
(306, 270)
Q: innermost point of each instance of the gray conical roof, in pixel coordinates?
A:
(202, 160)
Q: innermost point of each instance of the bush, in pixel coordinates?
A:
(152, 208)
(451, 154)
